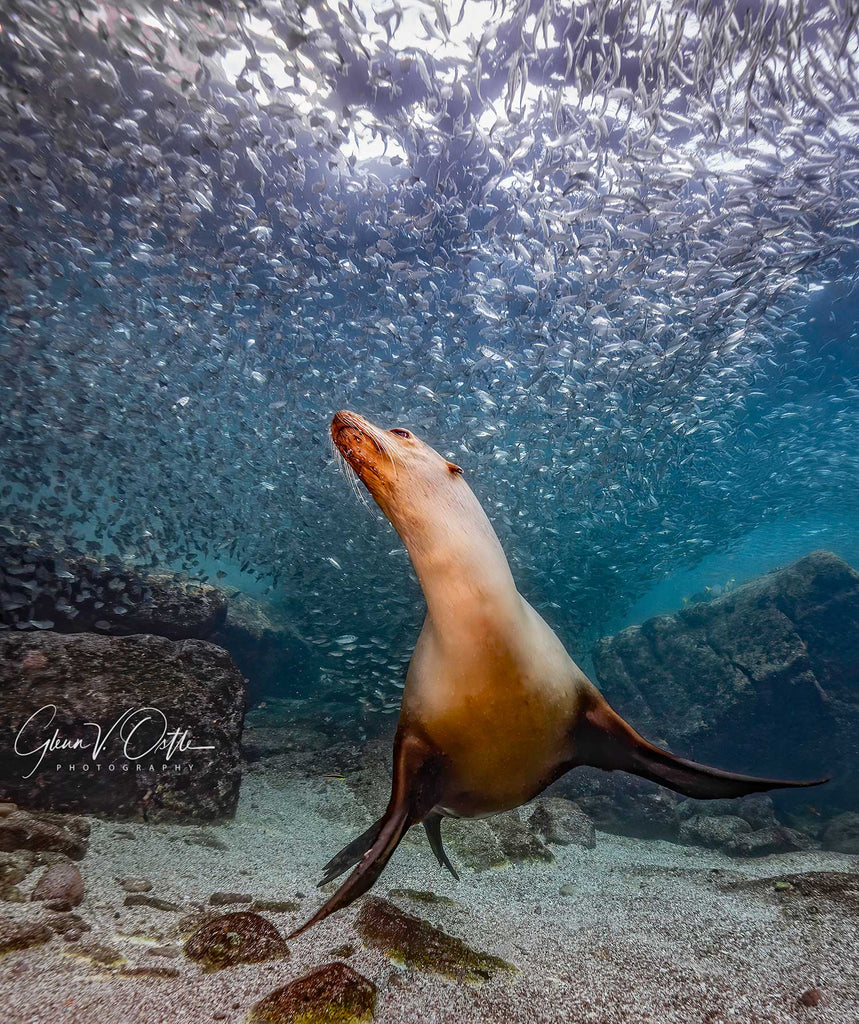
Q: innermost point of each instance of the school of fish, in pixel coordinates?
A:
(600, 254)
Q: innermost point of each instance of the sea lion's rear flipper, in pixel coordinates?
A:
(432, 824)
(414, 791)
(603, 739)
(352, 853)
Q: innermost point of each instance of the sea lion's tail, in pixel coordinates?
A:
(603, 739)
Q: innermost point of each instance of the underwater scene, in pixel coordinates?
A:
(429, 511)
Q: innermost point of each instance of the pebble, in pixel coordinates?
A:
(811, 996)
(135, 884)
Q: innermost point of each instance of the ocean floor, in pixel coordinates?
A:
(650, 931)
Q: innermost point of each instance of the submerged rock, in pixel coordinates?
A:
(61, 886)
(563, 822)
(484, 843)
(762, 679)
(195, 688)
(14, 868)
(269, 651)
(230, 939)
(21, 934)
(623, 804)
(76, 594)
(842, 833)
(40, 832)
(768, 840)
(413, 942)
(332, 994)
(717, 832)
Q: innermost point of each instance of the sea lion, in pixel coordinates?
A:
(494, 709)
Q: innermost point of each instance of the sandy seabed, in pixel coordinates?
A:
(653, 932)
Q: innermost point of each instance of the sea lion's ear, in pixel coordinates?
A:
(452, 466)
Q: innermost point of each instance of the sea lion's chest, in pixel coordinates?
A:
(499, 712)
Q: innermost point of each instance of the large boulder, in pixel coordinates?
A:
(76, 594)
(276, 661)
(764, 679)
(154, 700)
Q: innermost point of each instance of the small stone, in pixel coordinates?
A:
(143, 900)
(61, 886)
(416, 943)
(106, 956)
(238, 938)
(167, 950)
(225, 899)
(135, 884)
(21, 934)
(567, 889)
(783, 886)
(332, 994)
(422, 896)
(811, 997)
(7, 808)
(149, 972)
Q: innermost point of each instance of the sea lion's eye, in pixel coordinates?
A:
(400, 432)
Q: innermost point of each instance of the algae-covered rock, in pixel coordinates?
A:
(422, 896)
(21, 934)
(563, 822)
(412, 942)
(332, 994)
(494, 842)
(241, 938)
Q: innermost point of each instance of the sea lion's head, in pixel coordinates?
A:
(403, 474)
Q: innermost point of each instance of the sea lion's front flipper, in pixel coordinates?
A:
(603, 739)
(414, 791)
(432, 824)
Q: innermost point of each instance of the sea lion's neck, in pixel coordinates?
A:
(458, 559)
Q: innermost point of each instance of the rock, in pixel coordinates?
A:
(711, 831)
(269, 651)
(230, 939)
(76, 594)
(140, 899)
(622, 804)
(224, 899)
(135, 884)
(768, 840)
(7, 808)
(811, 997)
(481, 844)
(563, 822)
(762, 679)
(60, 886)
(194, 686)
(71, 926)
(14, 868)
(415, 943)
(421, 896)
(842, 833)
(22, 830)
(568, 889)
(21, 934)
(331, 994)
